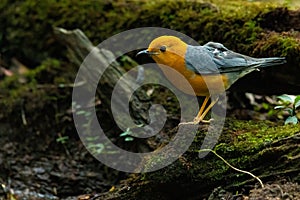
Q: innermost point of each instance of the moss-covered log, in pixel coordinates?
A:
(265, 149)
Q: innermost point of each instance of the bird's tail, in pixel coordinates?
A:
(266, 62)
(256, 63)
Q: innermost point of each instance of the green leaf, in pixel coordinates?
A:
(95, 148)
(123, 134)
(285, 98)
(91, 139)
(279, 107)
(80, 112)
(129, 139)
(62, 139)
(291, 120)
(265, 106)
(297, 102)
(127, 132)
(87, 114)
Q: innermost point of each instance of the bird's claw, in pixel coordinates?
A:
(196, 121)
(187, 123)
(207, 121)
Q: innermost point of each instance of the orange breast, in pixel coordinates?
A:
(208, 84)
(202, 85)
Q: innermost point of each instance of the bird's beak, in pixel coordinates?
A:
(149, 53)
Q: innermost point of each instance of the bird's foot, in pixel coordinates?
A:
(207, 121)
(187, 123)
(196, 121)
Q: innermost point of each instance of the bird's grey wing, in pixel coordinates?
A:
(200, 60)
(230, 61)
(216, 58)
(212, 58)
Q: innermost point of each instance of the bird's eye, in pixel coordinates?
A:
(163, 48)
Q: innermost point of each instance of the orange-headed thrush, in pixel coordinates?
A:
(204, 65)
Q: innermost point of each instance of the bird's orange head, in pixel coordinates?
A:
(170, 51)
(167, 50)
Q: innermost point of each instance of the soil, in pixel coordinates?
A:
(59, 171)
(278, 190)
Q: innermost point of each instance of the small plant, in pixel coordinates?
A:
(62, 139)
(289, 103)
(127, 136)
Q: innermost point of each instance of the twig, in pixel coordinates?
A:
(23, 116)
(236, 169)
(62, 85)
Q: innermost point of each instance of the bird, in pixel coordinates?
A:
(210, 64)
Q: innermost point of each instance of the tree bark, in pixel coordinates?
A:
(79, 47)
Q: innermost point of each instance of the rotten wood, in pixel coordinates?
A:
(79, 47)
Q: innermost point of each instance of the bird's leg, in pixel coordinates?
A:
(202, 107)
(200, 119)
(199, 115)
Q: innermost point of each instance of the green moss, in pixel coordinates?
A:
(241, 143)
(247, 138)
(278, 44)
(260, 135)
(27, 25)
(247, 141)
(40, 94)
(45, 73)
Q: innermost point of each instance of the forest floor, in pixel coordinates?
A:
(68, 171)
(41, 167)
